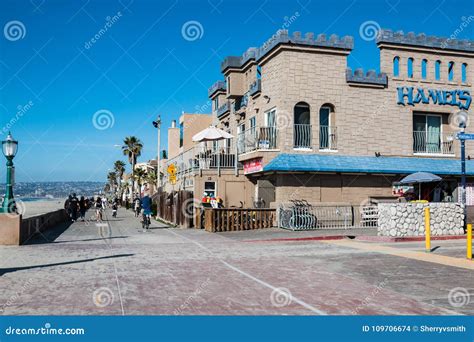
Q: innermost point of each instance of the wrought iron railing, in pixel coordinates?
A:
(327, 138)
(429, 142)
(302, 136)
(257, 138)
(301, 215)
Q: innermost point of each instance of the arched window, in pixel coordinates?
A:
(438, 70)
(450, 71)
(396, 66)
(410, 67)
(424, 63)
(302, 125)
(464, 73)
(327, 129)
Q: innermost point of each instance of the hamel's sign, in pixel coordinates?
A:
(412, 96)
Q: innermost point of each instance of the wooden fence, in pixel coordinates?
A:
(176, 207)
(233, 219)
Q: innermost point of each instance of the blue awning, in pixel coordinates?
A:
(286, 162)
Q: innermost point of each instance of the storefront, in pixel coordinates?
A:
(310, 128)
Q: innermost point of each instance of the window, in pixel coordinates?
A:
(438, 70)
(410, 67)
(427, 133)
(266, 136)
(450, 71)
(424, 63)
(396, 66)
(252, 122)
(270, 118)
(181, 134)
(210, 189)
(259, 72)
(216, 103)
(464, 73)
(302, 127)
(227, 81)
(327, 133)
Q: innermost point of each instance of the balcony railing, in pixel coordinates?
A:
(257, 138)
(327, 138)
(302, 136)
(429, 142)
(255, 87)
(223, 109)
(218, 155)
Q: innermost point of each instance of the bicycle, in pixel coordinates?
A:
(301, 216)
(146, 221)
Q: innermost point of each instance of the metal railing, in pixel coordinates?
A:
(221, 155)
(429, 142)
(302, 136)
(301, 215)
(327, 138)
(223, 109)
(257, 138)
(255, 87)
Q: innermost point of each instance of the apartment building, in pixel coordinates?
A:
(208, 167)
(307, 127)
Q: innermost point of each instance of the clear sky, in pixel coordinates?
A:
(54, 77)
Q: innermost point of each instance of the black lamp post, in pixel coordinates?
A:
(9, 148)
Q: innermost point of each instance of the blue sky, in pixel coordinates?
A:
(142, 65)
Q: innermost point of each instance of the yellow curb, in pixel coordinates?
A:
(422, 256)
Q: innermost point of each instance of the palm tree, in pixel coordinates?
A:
(112, 179)
(150, 178)
(132, 148)
(119, 167)
(139, 175)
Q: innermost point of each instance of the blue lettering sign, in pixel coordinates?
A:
(411, 96)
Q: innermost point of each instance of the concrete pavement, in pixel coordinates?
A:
(115, 269)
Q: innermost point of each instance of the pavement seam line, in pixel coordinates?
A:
(409, 254)
(115, 267)
(259, 281)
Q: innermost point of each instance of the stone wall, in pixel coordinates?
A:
(408, 219)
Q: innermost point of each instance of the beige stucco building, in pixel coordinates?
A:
(210, 168)
(307, 127)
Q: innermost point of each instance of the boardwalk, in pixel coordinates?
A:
(115, 269)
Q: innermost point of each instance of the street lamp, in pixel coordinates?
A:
(9, 148)
(157, 125)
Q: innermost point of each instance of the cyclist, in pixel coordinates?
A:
(136, 205)
(146, 205)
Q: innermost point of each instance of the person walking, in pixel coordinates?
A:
(74, 206)
(82, 208)
(98, 209)
(137, 205)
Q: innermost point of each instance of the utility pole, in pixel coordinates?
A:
(157, 125)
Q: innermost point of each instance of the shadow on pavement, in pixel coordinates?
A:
(50, 235)
(14, 269)
(85, 240)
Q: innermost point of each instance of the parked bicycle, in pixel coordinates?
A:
(301, 215)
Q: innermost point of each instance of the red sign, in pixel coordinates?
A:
(253, 165)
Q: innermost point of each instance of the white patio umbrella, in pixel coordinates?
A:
(211, 133)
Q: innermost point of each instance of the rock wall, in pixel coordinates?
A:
(408, 219)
